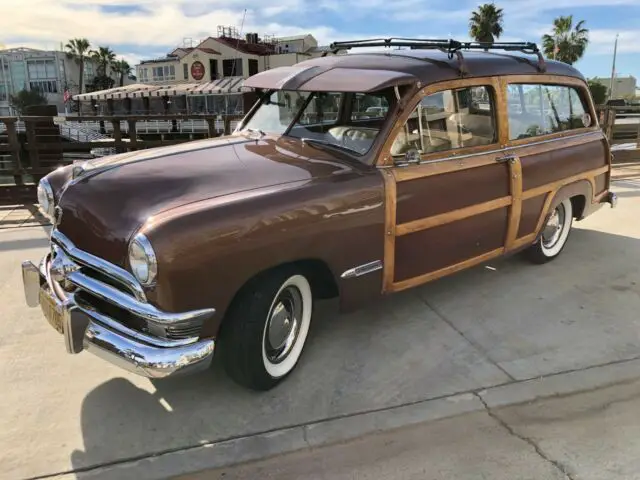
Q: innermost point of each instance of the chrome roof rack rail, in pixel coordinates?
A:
(450, 46)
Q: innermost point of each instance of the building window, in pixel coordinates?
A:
(169, 72)
(45, 86)
(253, 66)
(449, 120)
(88, 69)
(232, 67)
(185, 71)
(42, 70)
(143, 74)
(3, 93)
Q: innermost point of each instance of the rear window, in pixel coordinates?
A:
(544, 109)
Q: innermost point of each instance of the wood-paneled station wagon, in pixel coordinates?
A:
(354, 175)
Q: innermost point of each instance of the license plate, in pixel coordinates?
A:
(52, 313)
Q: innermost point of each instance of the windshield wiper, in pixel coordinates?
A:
(317, 142)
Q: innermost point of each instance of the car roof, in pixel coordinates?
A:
(430, 66)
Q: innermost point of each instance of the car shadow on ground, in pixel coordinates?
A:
(391, 353)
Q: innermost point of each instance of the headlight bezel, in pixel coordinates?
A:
(141, 244)
(45, 193)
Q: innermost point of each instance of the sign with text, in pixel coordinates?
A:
(197, 70)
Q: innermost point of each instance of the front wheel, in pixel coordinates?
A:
(266, 329)
(554, 234)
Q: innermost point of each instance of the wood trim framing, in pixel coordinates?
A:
(452, 216)
(427, 277)
(515, 212)
(474, 157)
(389, 264)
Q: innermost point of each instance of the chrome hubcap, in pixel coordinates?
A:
(553, 229)
(283, 325)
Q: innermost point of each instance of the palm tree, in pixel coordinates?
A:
(567, 43)
(103, 57)
(485, 24)
(122, 69)
(78, 48)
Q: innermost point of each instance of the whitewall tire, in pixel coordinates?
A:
(554, 235)
(266, 328)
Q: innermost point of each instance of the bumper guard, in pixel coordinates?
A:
(84, 328)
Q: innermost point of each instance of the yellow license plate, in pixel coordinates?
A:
(52, 313)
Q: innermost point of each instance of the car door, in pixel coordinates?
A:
(453, 192)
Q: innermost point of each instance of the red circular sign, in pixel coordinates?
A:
(197, 70)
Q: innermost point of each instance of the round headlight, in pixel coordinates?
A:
(45, 198)
(142, 260)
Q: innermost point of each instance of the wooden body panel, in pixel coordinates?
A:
(457, 209)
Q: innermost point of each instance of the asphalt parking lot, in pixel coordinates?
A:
(495, 325)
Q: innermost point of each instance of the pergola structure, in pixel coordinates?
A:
(223, 96)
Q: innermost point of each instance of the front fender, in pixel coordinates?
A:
(209, 250)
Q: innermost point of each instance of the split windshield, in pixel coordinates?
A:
(347, 121)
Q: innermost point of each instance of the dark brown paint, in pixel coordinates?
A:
(435, 248)
(436, 194)
(561, 163)
(531, 211)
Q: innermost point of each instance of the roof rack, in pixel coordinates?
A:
(450, 46)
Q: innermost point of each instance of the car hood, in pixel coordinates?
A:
(116, 195)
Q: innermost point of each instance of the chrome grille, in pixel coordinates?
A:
(113, 291)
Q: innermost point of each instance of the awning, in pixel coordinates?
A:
(314, 78)
(117, 92)
(222, 86)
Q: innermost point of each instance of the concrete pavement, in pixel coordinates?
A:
(493, 326)
(588, 436)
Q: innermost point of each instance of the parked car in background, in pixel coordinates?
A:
(158, 258)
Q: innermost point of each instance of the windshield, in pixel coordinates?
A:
(347, 121)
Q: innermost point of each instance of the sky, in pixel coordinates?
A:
(142, 29)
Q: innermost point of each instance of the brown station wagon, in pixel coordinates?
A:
(355, 175)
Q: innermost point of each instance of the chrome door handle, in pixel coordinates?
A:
(506, 158)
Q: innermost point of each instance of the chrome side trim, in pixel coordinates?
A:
(113, 271)
(489, 152)
(362, 269)
(144, 310)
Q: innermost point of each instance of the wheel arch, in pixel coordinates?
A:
(579, 193)
(321, 278)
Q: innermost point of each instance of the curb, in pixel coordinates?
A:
(262, 445)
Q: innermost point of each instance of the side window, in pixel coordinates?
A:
(368, 106)
(544, 109)
(449, 120)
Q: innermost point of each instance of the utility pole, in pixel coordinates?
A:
(613, 67)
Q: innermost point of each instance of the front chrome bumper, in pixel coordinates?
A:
(85, 328)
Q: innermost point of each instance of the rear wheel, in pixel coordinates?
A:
(554, 234)
(266, 329)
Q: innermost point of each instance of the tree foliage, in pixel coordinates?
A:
(26, 98)
(79, 48)
(598, 92)
(566, 43)
(122, 69)
(104, 58)
(485, 24)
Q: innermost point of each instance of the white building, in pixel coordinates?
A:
(227, 55)
(623, 87)
(46, 70)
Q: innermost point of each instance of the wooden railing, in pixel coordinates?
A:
(32, 146)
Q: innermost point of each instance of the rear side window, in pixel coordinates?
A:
(544, 109)
(449, 120)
